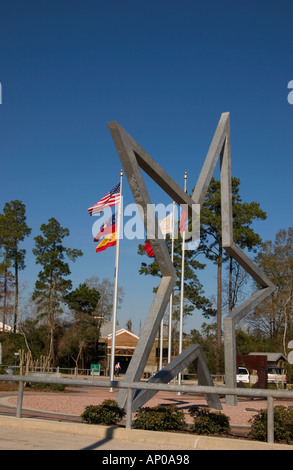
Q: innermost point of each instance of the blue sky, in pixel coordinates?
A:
(166, 71)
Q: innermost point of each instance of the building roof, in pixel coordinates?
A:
(120, 331)
(107, 327)
(271, 357)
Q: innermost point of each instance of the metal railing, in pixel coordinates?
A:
(72, 371)
(270, 395)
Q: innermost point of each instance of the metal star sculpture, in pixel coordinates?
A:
(134, 158)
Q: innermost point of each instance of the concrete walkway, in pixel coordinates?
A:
(39, 434)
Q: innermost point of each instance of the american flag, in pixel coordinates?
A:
(111, 199)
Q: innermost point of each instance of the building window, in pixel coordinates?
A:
(165, 352)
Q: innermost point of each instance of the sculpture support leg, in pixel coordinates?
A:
(192, 354)
(230, 359)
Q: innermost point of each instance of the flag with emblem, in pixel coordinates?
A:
(107, 241)
(107, 228)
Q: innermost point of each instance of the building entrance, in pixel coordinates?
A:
(124, 362)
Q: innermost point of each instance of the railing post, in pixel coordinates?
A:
(270, 420)
(129, 408)
(19, 399)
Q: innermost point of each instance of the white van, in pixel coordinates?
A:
(243, 375)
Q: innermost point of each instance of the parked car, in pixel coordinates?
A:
(277, 376)
(243, 375)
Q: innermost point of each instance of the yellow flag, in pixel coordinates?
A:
(109, 240)
(166, 224)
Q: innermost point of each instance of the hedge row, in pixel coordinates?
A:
(170, 418)
(159, 418)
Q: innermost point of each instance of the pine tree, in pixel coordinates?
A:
(211, 234)
(193, 289)
(82, 338)
(52, 285)
(5, 265)
(17, 229)
(83, 300)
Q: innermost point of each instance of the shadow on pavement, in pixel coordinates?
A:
(107, 438)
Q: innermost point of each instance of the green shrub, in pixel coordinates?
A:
(283, 425)
(160, 418)
(107, 413)
(206, 422)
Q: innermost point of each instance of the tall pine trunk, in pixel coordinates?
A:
(51, 324)
(15, 297)
(5, 297)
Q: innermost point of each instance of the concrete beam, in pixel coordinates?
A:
(211, 159)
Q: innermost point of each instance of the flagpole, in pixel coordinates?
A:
(161, 336)
(115, 295)
(171, 296)
(161, 344)
(182, 287)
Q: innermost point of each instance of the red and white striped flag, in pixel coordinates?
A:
(111, 199)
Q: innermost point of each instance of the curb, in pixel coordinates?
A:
(185, 441)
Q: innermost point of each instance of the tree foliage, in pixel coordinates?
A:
(49, 330)
(193, 289)
(13, 230)
(80, 340)
(52, 285)
(274, 317)
(104, 308)
(244, 214)
(83, 300)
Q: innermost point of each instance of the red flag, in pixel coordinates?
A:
(149, 250)
(182, 222)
